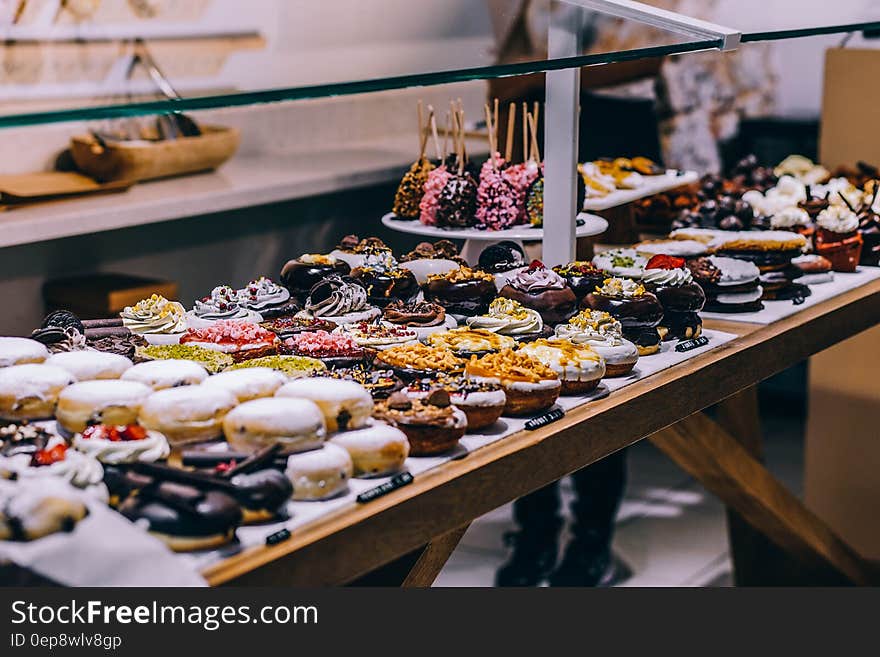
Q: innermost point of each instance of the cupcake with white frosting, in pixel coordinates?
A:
(511, 318)
(158, 320)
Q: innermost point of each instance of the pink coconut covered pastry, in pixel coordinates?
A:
(435, 183)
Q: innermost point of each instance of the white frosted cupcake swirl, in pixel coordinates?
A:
(154, 315)
(570, 362)
(535, 279)
(590, 326)
(623, 288)
(345, 298)
(508, 317)
(77, 469)
(153, 447)
(838, 219)
(262, 293)
(223, 303)
(790, 217)
(668, 277)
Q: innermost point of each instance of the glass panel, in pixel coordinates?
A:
(64, 67)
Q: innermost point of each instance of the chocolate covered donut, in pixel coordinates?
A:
(300, 275)
(672, 282)
(462, 292)
(543, 290)
(384, 280)
(582, 277)
(638, 311)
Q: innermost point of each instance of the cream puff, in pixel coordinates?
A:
(100, 402)
(170, 373)
(376, 450)
(248, 383)
(296, 424)
(30, 392)
(89, 365)
(189, 414)
(345, 404)
(320, 474)
(19, 351)
(578, 367)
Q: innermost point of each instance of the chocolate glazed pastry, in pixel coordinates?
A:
(417, 313)
(184, 517)
(465, 296)
(582, 277)
(543, 290)
(638, 315)
(386, 286)
(301, 274)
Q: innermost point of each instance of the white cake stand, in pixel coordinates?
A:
(477, 240)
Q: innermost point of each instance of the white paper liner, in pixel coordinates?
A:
(104, 549)
(776, 310)
(302, 513)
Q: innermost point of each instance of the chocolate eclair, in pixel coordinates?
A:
(300, 275)
(543, 290)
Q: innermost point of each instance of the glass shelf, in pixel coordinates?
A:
(307, 51)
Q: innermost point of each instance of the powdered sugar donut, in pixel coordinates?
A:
(18, 351)
(345, 404)
(249, 383)
(90, 365)
(376, 450)
(297, 424)
(320, 474)
(170, 373)
(100, 402)
(30, 392)
(187, 415)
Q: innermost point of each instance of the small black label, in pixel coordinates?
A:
(397, 481)
(690, 345)
(544, 420)
(278, 537)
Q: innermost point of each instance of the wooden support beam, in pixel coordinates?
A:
(710, 454)
(433, 558)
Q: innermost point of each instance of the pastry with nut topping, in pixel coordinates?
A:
(531, 387)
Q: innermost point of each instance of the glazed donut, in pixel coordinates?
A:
(319, 474)
(297, 424)
(171, 373)
(30, 392)
(189, 414)
(89, 365)
(345, 404)
(18, 351)
(249, 383)
(376, 450)
(100, 402)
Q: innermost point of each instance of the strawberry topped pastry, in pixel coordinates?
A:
(671, 280)
(53, 458)
(114, 445)
(241, 340)
(333, 349)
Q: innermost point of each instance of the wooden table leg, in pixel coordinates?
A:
(419, 568)
(714, 457)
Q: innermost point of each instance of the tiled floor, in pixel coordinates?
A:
(670, 531)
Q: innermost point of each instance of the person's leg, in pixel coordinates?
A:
(599, 489)
(536, 544)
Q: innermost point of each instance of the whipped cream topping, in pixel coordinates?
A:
(346, 297)
(802, 168)
(508, 317)
(79, 470)
(621, 287)
(838, 219)
(318, 259)
(262, 293)
(154, 315)
(592, 326)
(790, 217)
(223, 303)
(382, 261)
(668, 277)
(152, 448)
(537, 279)
(621, 262)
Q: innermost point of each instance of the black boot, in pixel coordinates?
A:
(588, 560)
(533, 558)
(583, 565)
(536, 544)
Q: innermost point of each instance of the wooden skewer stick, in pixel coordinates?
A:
(421, 117)
(511, 126)
(446, 130)
(525, 132)
(437, 151)
(489, 131)
(536, 152)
